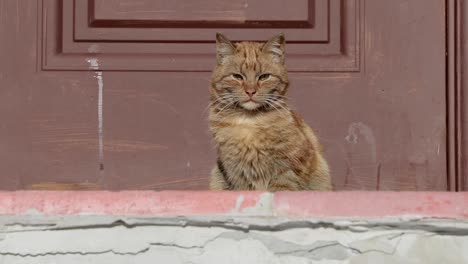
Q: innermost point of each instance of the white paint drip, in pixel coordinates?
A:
(94, 65)
(100, 118)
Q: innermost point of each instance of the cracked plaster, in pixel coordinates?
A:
(230, 239)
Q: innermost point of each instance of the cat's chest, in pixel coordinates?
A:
(253, 139)
(246, 137)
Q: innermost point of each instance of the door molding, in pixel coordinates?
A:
(456, 48)
(327, 39)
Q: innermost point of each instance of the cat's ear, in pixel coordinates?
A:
(224, 48)
(275, 47)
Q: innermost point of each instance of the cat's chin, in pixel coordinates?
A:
(250, 105)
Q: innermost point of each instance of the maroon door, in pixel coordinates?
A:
(110, 94)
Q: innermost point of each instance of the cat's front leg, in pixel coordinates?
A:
(217, 180)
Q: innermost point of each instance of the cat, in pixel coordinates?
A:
(261, 143)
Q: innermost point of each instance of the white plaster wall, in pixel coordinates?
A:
(113, 240)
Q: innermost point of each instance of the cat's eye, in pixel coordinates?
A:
(264, 77)
(238, 76)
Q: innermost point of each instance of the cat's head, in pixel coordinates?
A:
(249, 75)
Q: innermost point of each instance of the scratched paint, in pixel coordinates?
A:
(94, 65)
(359, 128)
(93, 48)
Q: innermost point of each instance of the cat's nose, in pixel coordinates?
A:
(250, 93)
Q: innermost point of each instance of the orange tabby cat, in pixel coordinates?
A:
(261, 143)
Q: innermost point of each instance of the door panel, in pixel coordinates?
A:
(202, 11)
(319, 43)
(111, 94)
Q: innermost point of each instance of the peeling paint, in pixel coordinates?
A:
(238, 205)
(264, 205)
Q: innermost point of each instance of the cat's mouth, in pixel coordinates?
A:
(250, 104)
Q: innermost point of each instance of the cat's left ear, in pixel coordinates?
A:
(275, 47)
(224, 48)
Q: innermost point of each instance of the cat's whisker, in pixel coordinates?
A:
(284, 109)
(279, 95)
(279, 98)
(218, 100)
(280, 104)
(271, 105)
(226, 106)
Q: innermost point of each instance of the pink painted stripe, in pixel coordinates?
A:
(292, 204)
(373, 204)
(123, 203)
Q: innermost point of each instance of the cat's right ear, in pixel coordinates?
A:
(224, 48)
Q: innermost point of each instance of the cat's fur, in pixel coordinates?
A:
(262, 144)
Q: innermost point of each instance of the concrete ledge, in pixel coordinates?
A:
(233, 227)
(193, 203)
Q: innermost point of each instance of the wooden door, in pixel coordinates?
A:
(110, 94)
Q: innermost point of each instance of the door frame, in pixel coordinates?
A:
(456, 71)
